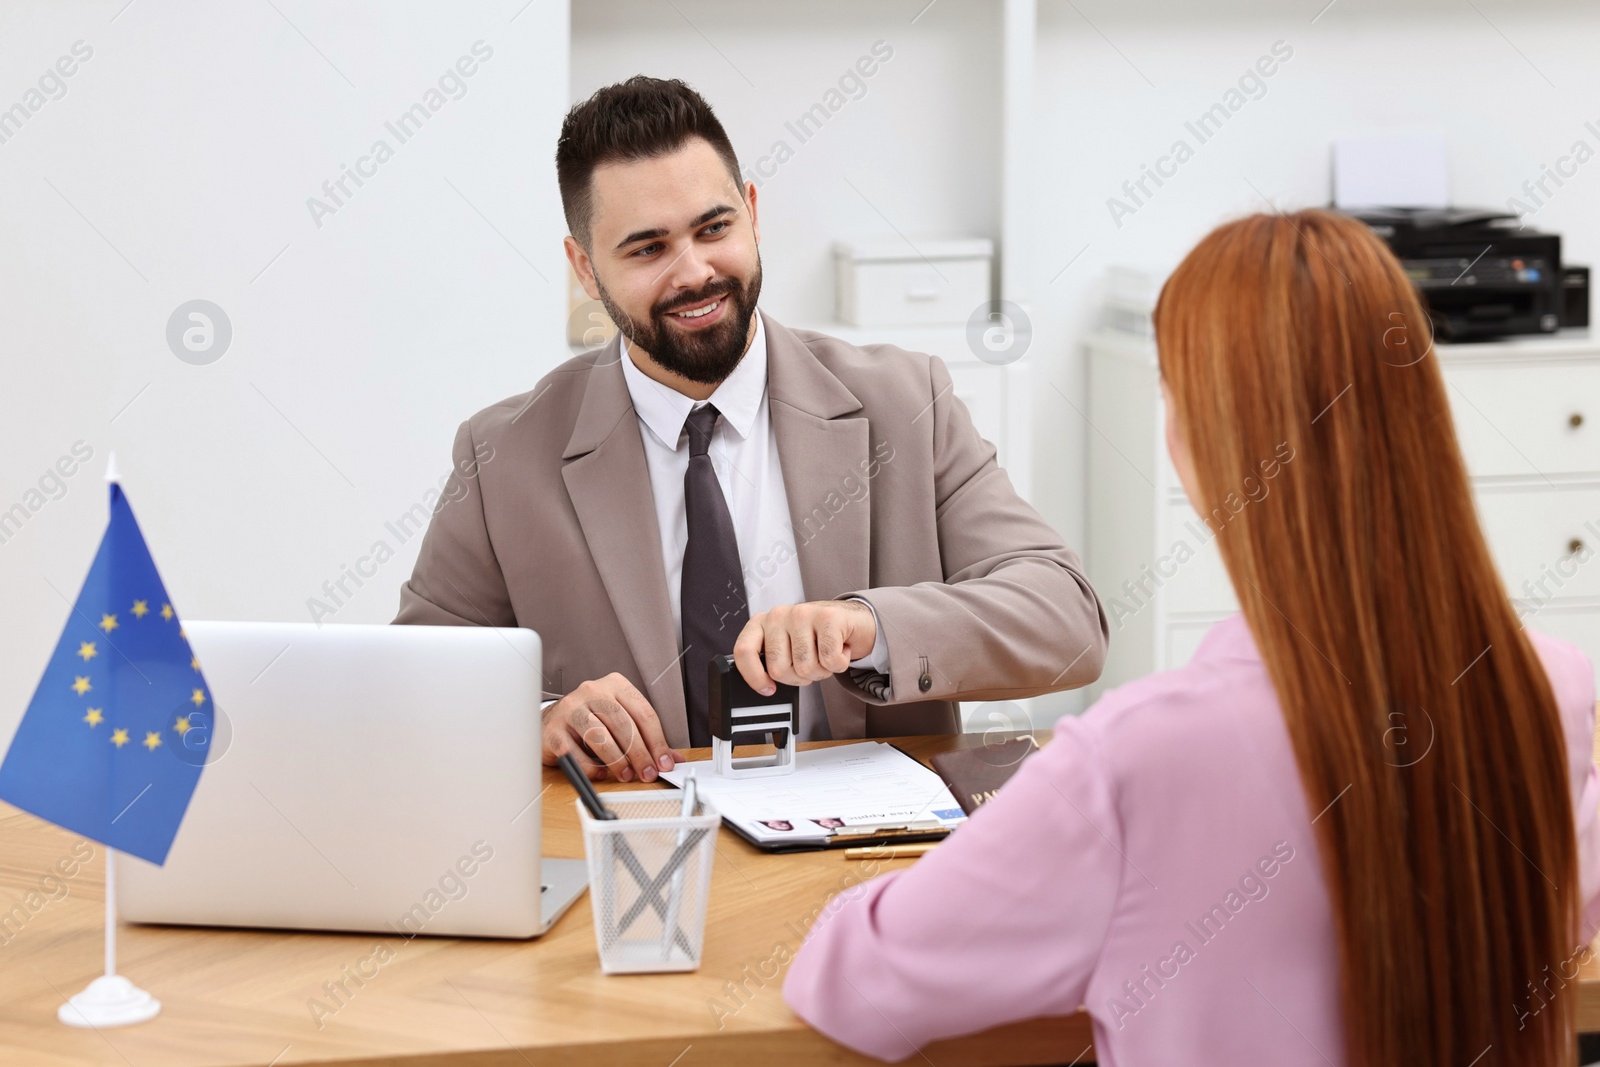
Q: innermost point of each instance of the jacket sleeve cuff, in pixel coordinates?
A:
(876, 661)
(915, 681)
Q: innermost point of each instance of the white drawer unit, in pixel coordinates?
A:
(1544, 538)
(1519, 417)
(900, 283)
(1527, 413)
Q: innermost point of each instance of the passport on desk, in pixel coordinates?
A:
(973, 774)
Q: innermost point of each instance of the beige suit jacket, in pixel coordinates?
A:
(548, 523)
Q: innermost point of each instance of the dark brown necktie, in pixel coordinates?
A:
(712, 594)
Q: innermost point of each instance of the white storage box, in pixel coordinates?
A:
(892, 283)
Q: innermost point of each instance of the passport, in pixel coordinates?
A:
(974, 774)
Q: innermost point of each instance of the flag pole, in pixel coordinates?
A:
(110, 1000)
(111, 913)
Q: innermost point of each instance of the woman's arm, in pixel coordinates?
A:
(1003, 921)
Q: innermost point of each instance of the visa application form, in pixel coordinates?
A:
(840, 790)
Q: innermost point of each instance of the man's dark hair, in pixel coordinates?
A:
(636, 119)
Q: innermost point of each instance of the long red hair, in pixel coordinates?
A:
(1422, 720)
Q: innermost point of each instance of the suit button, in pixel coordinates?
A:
(924, 683)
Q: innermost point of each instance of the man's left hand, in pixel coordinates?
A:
(804, 643)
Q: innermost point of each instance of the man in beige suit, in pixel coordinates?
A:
(713, 483)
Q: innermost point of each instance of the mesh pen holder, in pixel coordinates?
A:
(649, 880)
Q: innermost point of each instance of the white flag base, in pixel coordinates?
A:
(110, 1000)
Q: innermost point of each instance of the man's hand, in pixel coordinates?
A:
(609, 727)
(804, 643)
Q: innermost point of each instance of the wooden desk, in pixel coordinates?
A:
(242, 997)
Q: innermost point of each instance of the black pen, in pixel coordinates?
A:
(597, 809)
(586, 790)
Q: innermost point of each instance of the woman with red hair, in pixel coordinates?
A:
(1360, 826)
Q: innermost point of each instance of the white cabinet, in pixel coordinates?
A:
(1522, 414)
(1527, 413)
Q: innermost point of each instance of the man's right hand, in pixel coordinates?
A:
(610, 728)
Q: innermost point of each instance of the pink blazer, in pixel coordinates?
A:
(1155, 863)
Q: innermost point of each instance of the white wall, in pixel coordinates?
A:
(915, 152)
(1364, 66)
(177, 166)
(1115, 82)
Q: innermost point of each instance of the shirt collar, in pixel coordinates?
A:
(738, 397)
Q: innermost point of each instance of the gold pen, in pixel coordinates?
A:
(888, 852)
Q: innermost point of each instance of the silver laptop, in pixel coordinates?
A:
(361, 778)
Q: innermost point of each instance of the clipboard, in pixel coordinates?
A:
(933, 826)
(885, 837)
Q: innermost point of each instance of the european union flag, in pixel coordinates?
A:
(102, 748)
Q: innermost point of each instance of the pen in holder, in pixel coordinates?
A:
(650, 879)
(740, 715)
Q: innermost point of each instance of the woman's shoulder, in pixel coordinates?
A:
(1571, 677)
(1226, 656)
(1571, 672)
(1192, 710)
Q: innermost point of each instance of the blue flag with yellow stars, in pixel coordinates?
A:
(101, 749)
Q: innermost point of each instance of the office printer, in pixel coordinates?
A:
(1480, 275)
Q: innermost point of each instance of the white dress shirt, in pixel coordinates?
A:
(744, 454)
